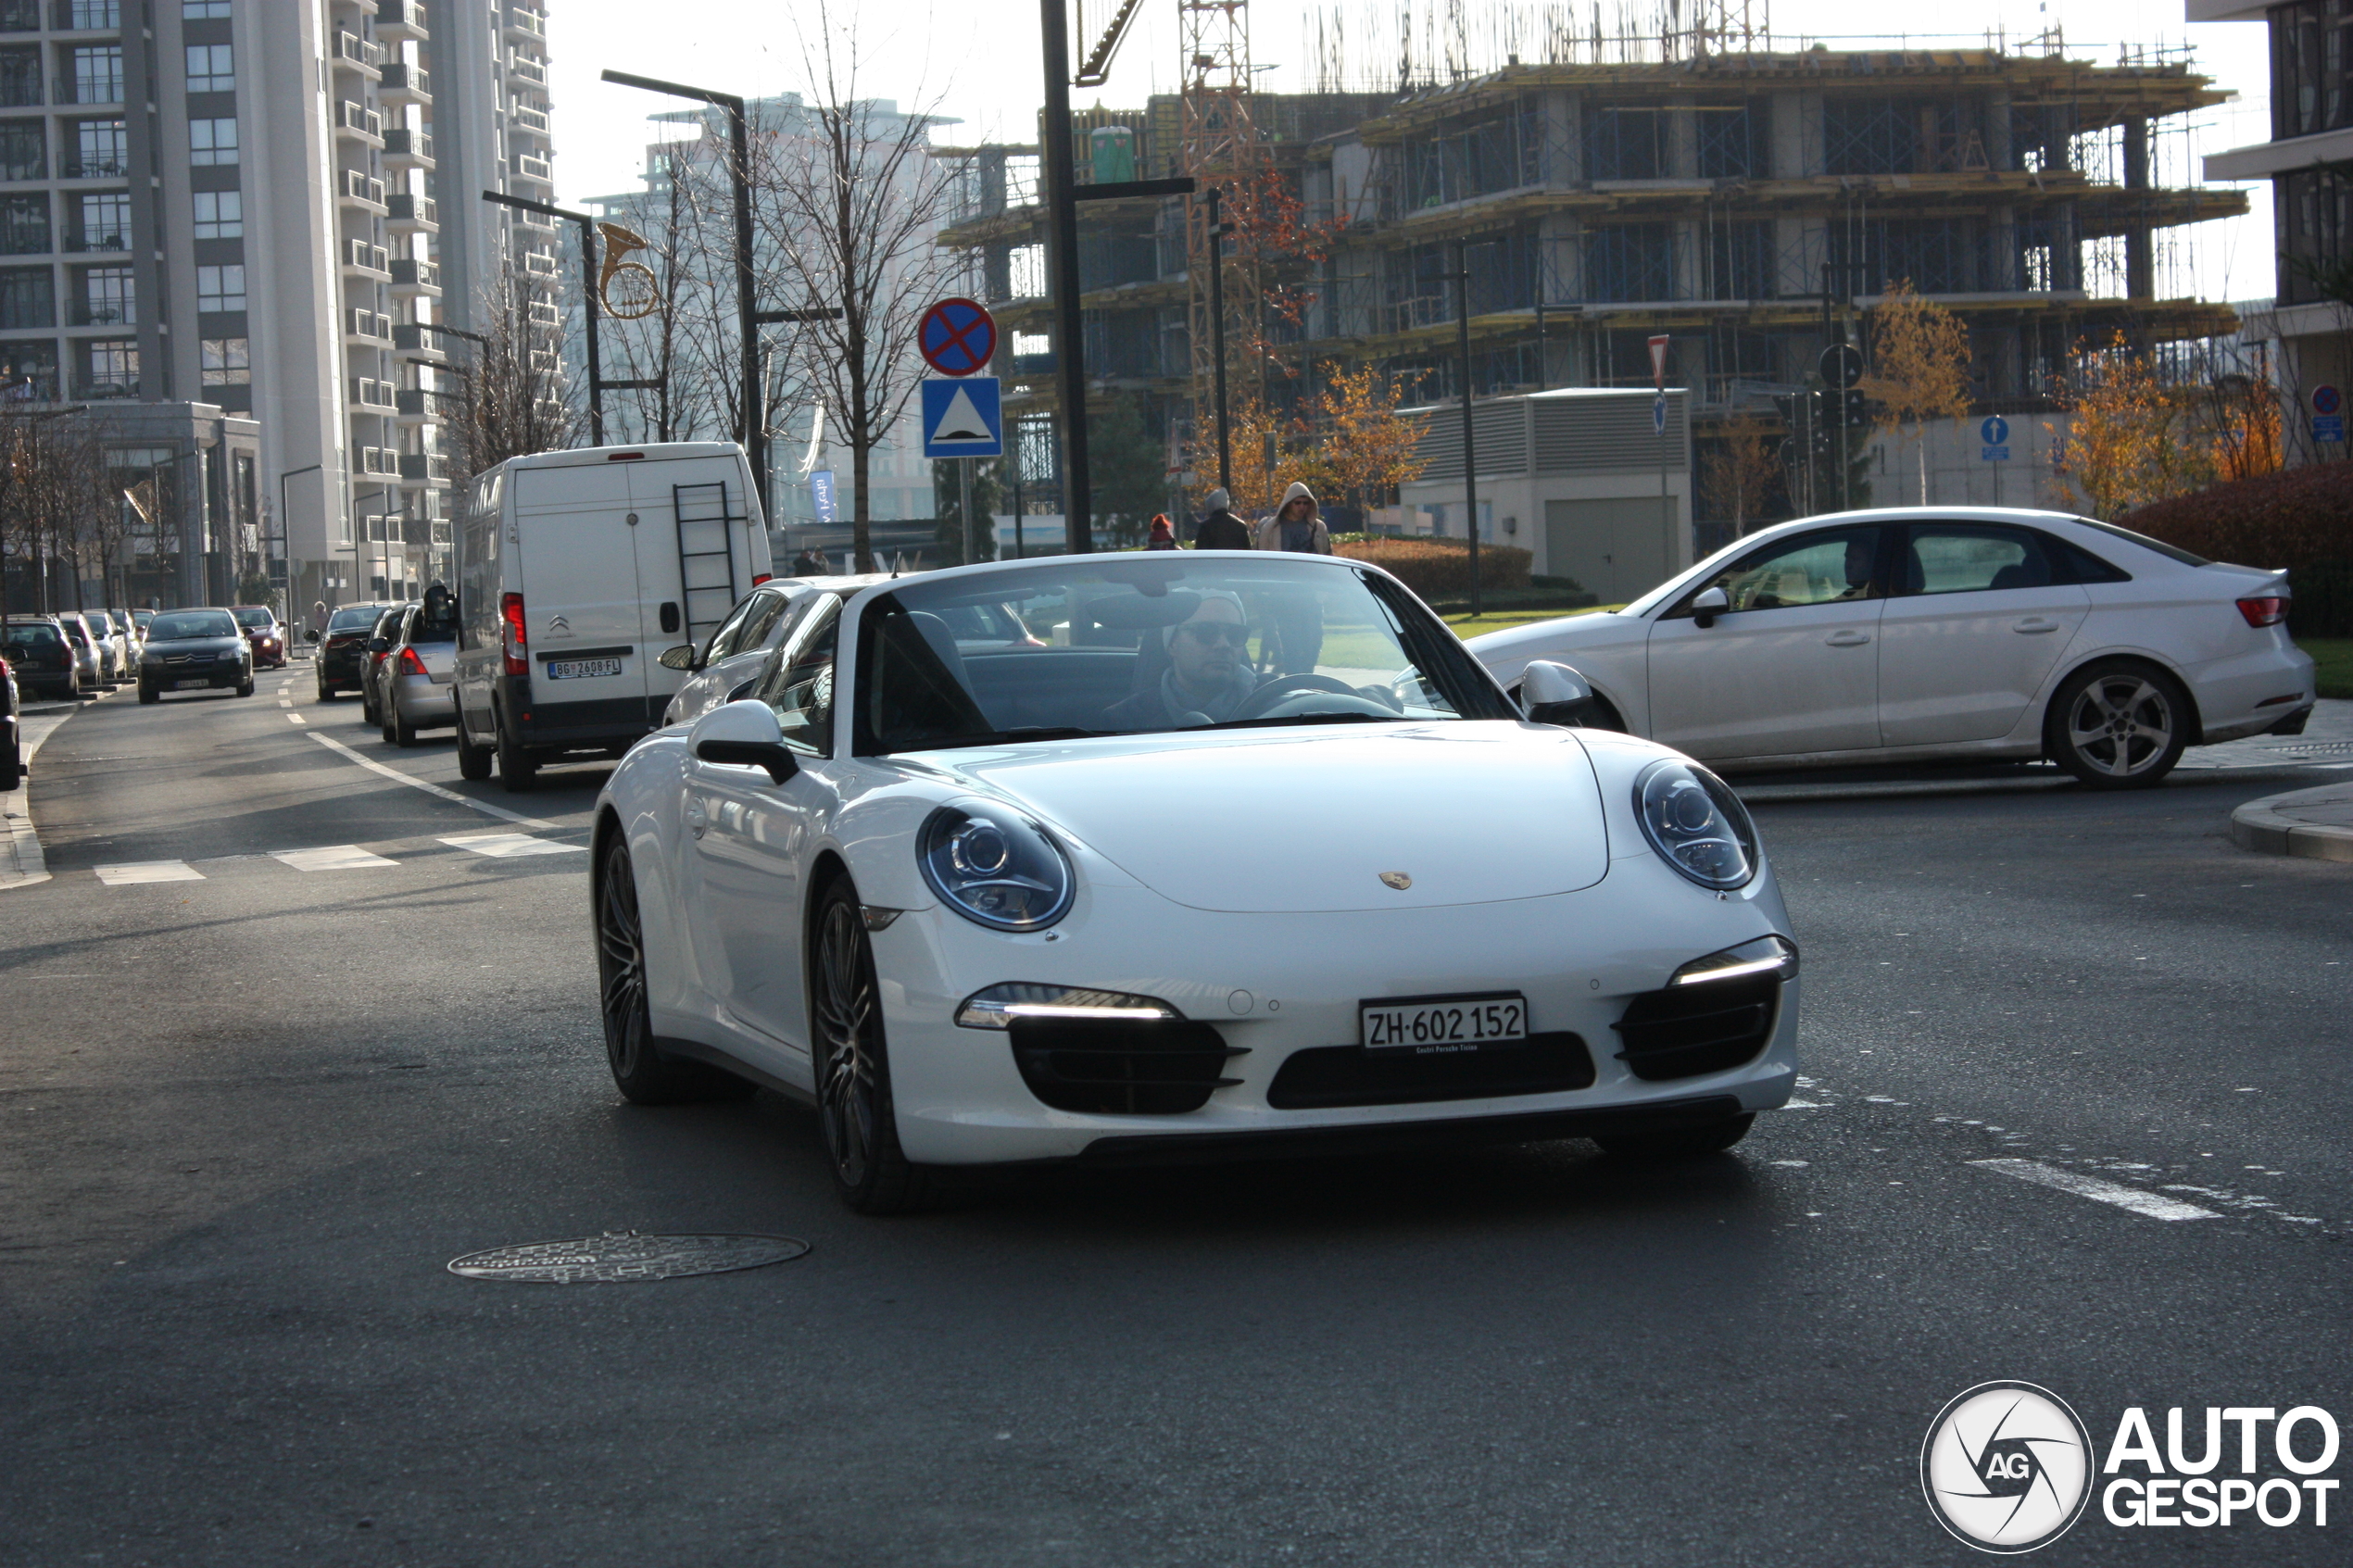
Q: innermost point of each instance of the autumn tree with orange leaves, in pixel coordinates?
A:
(2135, 440)
(1738, 471)
(1360, 449)
(1919, 367)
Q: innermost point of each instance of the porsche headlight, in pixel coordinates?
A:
(1696, 823)
(995, 867)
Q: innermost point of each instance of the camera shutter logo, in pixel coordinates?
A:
(2007, 1467)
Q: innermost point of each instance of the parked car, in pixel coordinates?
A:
(90, 658)
(413, 684)
(11, 729)
(44, 657)
(114, 649)
(717, 669)
(265, 631)
(575, 570)
(337, 664)
(972, 905)
(141, 618)
(192, 650)
(131, 636)
(1939, 633)
(372, 654)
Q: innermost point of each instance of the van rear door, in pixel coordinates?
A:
(578, 565)
(698, 546)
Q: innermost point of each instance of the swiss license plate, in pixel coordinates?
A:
(188, 686)
(1428, 1025)
(581, 668)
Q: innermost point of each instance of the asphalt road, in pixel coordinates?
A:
(250, 1113)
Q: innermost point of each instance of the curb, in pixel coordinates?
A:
(2264, 827)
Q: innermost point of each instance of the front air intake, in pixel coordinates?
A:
(1707, 1027)
(1122, 1067)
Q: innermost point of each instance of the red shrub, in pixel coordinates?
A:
(2298, 517)
(1439, 568)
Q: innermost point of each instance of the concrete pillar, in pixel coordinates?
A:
(1682, 140)
(2140, 260)
(1795, 135)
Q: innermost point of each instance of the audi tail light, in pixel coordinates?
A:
(2264, 613)
(512, 642)
(409, 664)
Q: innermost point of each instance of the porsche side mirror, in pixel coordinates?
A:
(1710, 604)
(680, 657)
(744, 734)
(1553, 693)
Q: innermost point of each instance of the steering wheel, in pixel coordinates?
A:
(1261, 701)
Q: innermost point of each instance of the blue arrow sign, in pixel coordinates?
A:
(1996, 430)
(963, 417)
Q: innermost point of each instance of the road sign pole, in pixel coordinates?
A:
(964, 502)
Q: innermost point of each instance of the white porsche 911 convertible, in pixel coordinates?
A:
(1234, 855)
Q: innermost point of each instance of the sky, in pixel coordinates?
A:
(978, 62)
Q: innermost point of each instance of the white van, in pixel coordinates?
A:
(575, 569)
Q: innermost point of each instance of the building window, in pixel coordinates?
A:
(1625, 144)
(109, 368)
(92, 16)
(24, 225)
(24, 150)
(28, 298)
(220, 288)
(212, 140)
(108, 298)
(102, 150)
(29, 372)
(106, 222)
(1631, 262)
(2311, 68)
(212, 67)
(226, 362)
(19, 16)
(20, 77)
(197, 10)
(97, 74)
(2316, 220)
(1870, 136)
(221, 214)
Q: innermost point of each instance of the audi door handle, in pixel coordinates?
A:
(2032, 624)
(1847, 640)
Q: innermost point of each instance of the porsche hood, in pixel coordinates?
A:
(1415, 816)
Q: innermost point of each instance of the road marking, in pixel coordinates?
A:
(433, 789)
(507, 844)
(334, 857)
(285, 701)
(149, 871)
(297, 718)
(23, 863)
(2147, 1204)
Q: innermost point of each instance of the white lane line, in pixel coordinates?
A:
(334, 857)
(507, 844)
(297, 719)
(149, 871)
(2138, 1200)
(433, 789)
(285, 701)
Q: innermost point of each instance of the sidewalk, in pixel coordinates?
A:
(2315, 823)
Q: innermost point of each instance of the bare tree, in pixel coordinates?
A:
(686, 345)
(850, 198)
(510, 395)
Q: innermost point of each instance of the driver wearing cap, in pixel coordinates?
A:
(1207, 679)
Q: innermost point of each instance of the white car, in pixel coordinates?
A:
(1950, 634)
(1118, 892)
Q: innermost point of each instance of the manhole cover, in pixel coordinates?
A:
(622, 1257)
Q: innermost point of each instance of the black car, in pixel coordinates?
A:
(348, 630)
(189, 649)
(38, 649)
(11, 732)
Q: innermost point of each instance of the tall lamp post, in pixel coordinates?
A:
(752, 426)
(286, 549)
(597, 382)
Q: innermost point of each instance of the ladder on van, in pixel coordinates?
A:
(706, 555)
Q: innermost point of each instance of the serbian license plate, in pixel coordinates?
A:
(1428, 1025)
(581, 668)
(188, 686)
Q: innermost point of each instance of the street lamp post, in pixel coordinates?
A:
(1470, 466)
(285, 549)
(587, 295)
(752, 426)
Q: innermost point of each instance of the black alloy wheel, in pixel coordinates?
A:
(517, 767)
(11, 765)
(473, 761)
(245, 687)
(854, 1106)
(404, 733)
(646, 1073)
(148, 693)
(1680, 1143)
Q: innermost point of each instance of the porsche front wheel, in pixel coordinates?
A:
(854, 1107)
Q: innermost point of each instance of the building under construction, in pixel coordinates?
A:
(1744, 199)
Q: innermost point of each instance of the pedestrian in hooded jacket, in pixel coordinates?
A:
(1296, 617)
(1220, 529)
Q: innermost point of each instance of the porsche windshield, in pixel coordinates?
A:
(1125, 645)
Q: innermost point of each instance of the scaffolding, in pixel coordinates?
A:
(1223, 150)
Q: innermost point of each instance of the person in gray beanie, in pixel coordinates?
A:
(1220, 529)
